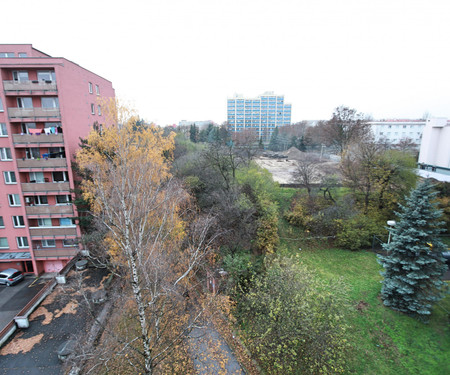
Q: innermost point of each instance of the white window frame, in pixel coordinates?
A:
(3, 130)
(1, 105)
(8, 180)
(7, 244)
(38, 199)
(23, 54)
(90, 88)
(2, 222)
(73, 244)
(65, 175)
(72, 223)
(44, 222)
(5, 154)
(21, 102)
(18, 221)
(7, 54)
(68, 200)
(22, 242)
(15, 199)
(44, 243)
(51, 75)
(17, 73)
(54, 102)
(97, 90)
(33, 176)
(99, 109)
(92, 109)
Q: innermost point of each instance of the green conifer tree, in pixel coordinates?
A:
(414, 265)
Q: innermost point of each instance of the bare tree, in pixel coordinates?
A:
(307, 171)
(133, 195)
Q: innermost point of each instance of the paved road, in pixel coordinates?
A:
(14, 298)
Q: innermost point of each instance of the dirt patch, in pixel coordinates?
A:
(70, 308)
(48, 316)
(361, 306)
(21, 345)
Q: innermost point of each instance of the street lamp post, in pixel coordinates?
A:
(391, 224)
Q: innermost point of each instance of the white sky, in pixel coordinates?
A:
(180, 59)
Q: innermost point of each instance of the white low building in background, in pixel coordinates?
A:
(397, 131)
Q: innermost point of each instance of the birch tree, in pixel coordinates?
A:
(132, 193)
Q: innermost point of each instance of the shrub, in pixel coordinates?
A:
(357, 232)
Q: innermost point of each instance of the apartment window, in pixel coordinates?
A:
(5, 154)
(22, 242)
(1, 105)
(56, 152)
(46, 75)
(60, 176)
(25, 103)
(10, 177)
(14, 200)
(92, 108)
(7, 54)
(23, 54)
(40, 200)
(50, 103)
(20, 76)
(99, 110)
(3, 130)
(37, 177)
(48, 243)
(32, 152)
(63, 199)
(90, 87)
(69, 243)
(97, 90)
(4, 243)
(44, 222)
(66, 222)
(18, 221)
(2, 223)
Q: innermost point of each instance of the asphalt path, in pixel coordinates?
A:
(14, 298)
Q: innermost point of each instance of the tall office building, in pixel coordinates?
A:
(46, 105)
(262, 114)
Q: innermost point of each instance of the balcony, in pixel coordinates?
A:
(47, 187)
(27, 139)
(55, 253)
(41, 232)
(15, 87)
(41, 163)
(33, 113)
(54, 210)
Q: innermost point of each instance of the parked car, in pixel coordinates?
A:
(10, 276)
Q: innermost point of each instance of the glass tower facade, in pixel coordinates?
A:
(262, 114)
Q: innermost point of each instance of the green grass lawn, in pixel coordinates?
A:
(383, 341)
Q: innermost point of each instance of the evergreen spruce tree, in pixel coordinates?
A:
(414, 265)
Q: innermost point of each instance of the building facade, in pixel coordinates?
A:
(46, 105)
(398, 131)
(261, 114)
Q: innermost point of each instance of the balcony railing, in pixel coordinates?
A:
(41, 138)
(58, 253)
(53, 232)
(37, 112)
(42, 163)
(49, 210)
(29, 86)
(49, 187)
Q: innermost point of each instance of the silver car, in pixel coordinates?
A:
(10, 276)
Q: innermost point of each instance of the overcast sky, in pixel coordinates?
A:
(180, 59)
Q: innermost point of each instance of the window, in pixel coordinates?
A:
(69, 243)
(44, 222)
(97, 89)
(3, 131)
(27, 125)
(63, 199)
(23, 54)
(46, 75)
(22, 242)
(14, 200)
(2, 223)
(60, 176)
(48, 243)
(92, 108)
(5, 154)
(56, 152)
(99, 110)
(7, 54)
(66, 222)
(32, 152)
(1, 105)
(37, 177)
(20, 76)
(50, 103)
(90, 87)
(10, 177)
(18, 221)
(26, 103)
(40, 200)
(4, 243)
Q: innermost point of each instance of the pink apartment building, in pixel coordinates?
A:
(46, 104)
